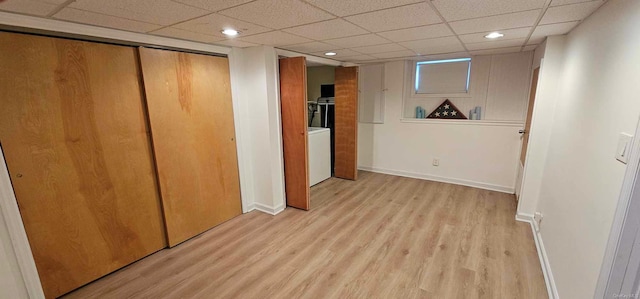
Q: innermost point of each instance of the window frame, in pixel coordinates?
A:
(414, 75)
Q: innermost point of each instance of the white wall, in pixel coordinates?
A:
(254, 80)
(596, 99)
(11, 283)
(498, 83)
(476, 154)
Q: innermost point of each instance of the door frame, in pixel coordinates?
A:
(626, 224)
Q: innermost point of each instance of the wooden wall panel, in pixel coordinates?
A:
(346, 123)
(293, 102)
(74, 134)
(191, 116)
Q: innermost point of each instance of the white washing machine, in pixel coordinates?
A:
(319, 155)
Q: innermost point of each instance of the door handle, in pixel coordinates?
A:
(522, 132)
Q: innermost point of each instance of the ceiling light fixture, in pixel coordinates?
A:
(331, 53)
(230, 32)
(493, 35)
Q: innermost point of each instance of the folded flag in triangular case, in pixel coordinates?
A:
(448, 111)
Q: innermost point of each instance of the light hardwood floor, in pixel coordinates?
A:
(379, 237)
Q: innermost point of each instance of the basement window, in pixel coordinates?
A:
(442, 77)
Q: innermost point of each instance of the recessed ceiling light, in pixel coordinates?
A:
(494, 35)
(230, 32)
(331, 53)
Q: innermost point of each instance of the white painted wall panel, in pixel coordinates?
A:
(509, 81)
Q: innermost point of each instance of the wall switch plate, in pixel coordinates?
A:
(624, 147)
(436, 162)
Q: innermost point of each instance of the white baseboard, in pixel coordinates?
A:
(269, 210)
(505, 189)
(542, 255)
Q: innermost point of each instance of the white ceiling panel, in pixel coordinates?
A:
(358, 41)
(565, 2)
(496, 44)
(351, 7)
(543, 31)
(31, 7)
(277, 14)
(529, 48)
(215, 5)
(379, 48)
(397, 18)
(535, 40)
(359, 58)
(439, 45)
(311, 47)
(187, 35)
(339, 53)
(162, 12)
(275, 38)
(508, 34)
(508, 21)
(496, 51)
(453, 10)
(81, 16)
(213, 24)
(327, 30)
(396, 54)
(422, 32)
(235, 43)
(567, 13)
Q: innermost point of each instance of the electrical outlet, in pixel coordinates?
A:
(537, 217)
(436, 162)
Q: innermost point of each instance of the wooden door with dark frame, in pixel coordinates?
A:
(293, 104)
(527, 124)
(346, 123)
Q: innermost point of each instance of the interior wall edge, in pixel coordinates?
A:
(18, 236)
(450, 180)
(29, 24)
(552, 290)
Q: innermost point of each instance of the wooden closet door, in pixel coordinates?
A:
(74, 135)
(346, 123)
(191, 116)
(293, 105)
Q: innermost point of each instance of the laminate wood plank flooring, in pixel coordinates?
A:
(379, 237)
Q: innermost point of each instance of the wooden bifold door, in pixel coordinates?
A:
(108, 165)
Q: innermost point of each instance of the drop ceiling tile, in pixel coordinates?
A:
(567, 13)
(235, 43)
(543, 31)
(358, 58)
(213, 24)
(454, 10)
(508, 34)
(213, 6)
(346, 8)
(535, 41)
(396, 54)
(339, 53)
(186, 35)
(508, 21)
(311, 47)
(379, 48)
(495, 44)
(327, 30)
(422, 32)
(81, 16)
(162, 12)
(358, 41)
(439, 45)
(565, 2)
(496, 51)
(529, 48)
(31, 7)
(277, 14)
(274, 38)
(397, 18)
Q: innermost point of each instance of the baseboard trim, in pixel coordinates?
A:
(542, 255)
(269, 210)
(480, 185)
